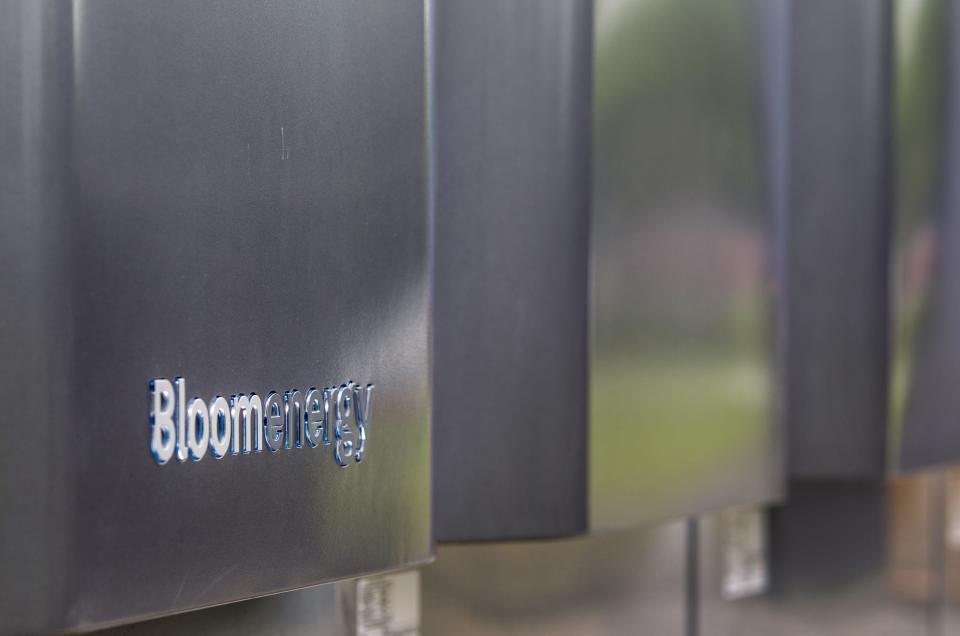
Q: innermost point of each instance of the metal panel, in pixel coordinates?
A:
(235, 194)
(310, 612)
(685, 159)
(926, 288)
(837, 229)
(510, 316)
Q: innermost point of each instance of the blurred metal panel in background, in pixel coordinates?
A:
(836, 352)
(235, 194)
(926, 245)
(510, 315)
(682, 379)
(848, 553)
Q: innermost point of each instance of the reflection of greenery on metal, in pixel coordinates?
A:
(919, 127)
(921, 42)
(680, 379)
(684, 67)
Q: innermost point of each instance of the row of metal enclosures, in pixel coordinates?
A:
(658, 276)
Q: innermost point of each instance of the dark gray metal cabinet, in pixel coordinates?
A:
(672, 411)
(837, 239)
(512, 99)
(873, 353)
(234, 194)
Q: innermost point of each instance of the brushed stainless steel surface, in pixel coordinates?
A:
(837, 267)
(686, 162)
(624, 582)
(926, 243)
(510, 316)
(235, 194)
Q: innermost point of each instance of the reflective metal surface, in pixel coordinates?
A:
(624, 582)
(836, 351)
(232, 193)
(510, 304)
(311, 612)
(685, 167)
(926, 245)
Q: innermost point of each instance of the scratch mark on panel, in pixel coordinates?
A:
(214, 582)
(179, 590)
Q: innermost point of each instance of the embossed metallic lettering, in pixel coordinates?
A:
(181, 389)
(328, 410)
(315, 418)
(243, 423)
(219, 426)
(274, 421)
(162, 409)
(198, 429)
(248, 411)
(293, 424)
(361, 410)
(343, 450)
